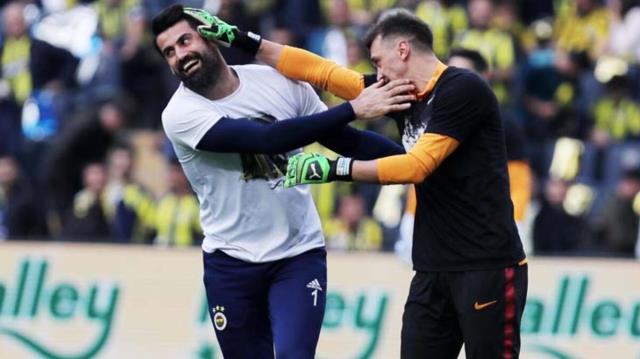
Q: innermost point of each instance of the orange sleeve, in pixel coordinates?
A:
(306, 66)
(520, 181)
(413, 167)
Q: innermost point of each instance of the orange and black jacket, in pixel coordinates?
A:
(455, 156)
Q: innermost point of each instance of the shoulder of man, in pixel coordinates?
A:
(462, 82)
(256, 69)
(182, 101)
(264, 74)
(183, 105)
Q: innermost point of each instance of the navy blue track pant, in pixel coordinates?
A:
(259, 308)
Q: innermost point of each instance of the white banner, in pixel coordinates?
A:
(84, 301)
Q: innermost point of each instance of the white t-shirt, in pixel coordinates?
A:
(244, 210)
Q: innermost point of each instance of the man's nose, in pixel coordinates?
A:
(181, 53)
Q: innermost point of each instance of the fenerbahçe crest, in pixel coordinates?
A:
(219, 319)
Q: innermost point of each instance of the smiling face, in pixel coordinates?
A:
(196, 62)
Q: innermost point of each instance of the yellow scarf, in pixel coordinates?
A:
(15, 66)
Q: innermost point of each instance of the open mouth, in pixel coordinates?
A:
(190, 66)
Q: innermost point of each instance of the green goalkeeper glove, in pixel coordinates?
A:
(227, 35)
(309, 168)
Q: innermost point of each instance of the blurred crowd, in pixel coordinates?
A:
(81, 81)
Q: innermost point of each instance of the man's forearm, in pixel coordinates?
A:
(302, 65)
(412, 167)
(365, 171)
(269, 52)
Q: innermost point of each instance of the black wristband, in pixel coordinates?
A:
(248, 42)
(340, 169)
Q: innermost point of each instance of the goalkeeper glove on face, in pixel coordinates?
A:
(309, 168)
(227, 35)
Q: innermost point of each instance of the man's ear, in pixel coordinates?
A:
(404, 49)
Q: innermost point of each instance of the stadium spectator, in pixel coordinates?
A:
(86, 139)
(550, 92)
(29, 64)
(121, 28)
(364, 12)
(555, 231)
(351, 229)
(35, 70)
(131, 208)
(616, 117)
(624, 30)
(494, 44)
(549, 86)
(506, 19)
(177, 221)
(447, 19)
(131, 62)
(87, 220)
(624, 38)
(21, 215)
(581, 26)
(618, 231)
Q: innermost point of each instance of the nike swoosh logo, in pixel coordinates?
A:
(478, 306)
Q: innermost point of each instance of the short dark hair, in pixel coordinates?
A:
(169, 17)
(480, 64)
(121, 145)
(402, 23)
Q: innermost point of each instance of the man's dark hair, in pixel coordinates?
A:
(404, 24)
(479, 62)
(169, 17)
(121, 145)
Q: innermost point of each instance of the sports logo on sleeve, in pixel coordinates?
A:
(261, 166)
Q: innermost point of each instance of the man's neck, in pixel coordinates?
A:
(422, 70)
(226, 84)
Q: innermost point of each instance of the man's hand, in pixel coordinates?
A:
(307, 168)
(212, 27)
(380, 99)
(227, 35)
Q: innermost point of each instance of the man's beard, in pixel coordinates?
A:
(206, 76)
